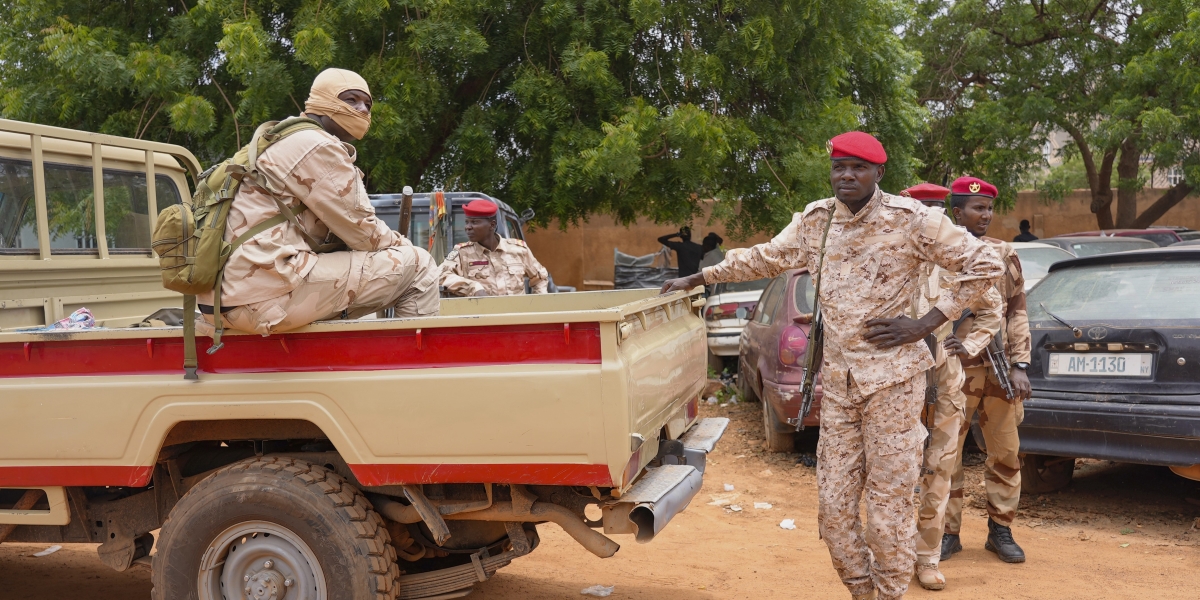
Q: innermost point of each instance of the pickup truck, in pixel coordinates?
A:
(371, 459)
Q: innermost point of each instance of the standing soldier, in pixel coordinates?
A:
(490, 265)
(333, 256)
(943, 418)
(999, 415)
(874, 361)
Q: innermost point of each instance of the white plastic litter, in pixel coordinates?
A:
(787, 524)
(762, 505)
(600, 591)
(723, 499)
(48, 551)
(735, 508)
(729, 487)
(711, 400)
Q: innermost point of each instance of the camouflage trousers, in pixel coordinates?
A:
(945, 420)
(353, 284)
(869, 452)
(998, 419)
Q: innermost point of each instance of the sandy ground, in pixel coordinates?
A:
(1119, 531)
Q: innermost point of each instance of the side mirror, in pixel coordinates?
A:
(527, 215)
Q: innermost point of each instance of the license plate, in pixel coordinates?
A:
(1100, 364)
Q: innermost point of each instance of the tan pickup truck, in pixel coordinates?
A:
(370, 459)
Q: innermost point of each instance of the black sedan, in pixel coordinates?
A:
(1116, 364)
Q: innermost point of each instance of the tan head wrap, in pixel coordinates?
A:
(323, 100)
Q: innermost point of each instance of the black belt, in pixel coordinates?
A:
(208, 310)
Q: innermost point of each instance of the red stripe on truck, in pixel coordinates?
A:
(533, 474)
(310, 352)
(367, 474)
(46, 476)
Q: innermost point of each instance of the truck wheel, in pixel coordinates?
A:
(1041, 474)
(777, 441)
(274, 527)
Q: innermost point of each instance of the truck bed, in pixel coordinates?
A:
(547, 389)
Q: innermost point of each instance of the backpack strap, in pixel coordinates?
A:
(189, 338)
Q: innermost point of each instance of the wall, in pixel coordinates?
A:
(585, 253)
(1073, 214)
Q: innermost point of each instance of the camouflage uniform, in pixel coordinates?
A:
(998, 416)
(277, 282)
(948, 414)
(870, 413)
(471, 267)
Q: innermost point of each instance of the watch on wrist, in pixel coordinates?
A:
(1021, 365)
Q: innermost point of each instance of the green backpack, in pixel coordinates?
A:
(189, 238)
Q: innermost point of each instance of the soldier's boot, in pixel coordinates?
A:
(929, 576)
(1000, 541)
(951, 545)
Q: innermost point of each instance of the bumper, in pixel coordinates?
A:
(785, 402)
(1156, 434)
(663, 492)
(724, 344)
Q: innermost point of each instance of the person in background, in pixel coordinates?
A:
(490, 265)
(713, 253)
(687, 252)
(1025, 236)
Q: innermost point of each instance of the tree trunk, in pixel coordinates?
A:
(1127, 188)
(1164, 203)
(1102, 193)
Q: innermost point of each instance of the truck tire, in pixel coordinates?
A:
(274, 524)
(1042, 474)
(777, 441)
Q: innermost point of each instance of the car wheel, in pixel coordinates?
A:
(274, 527)
(745, 390)
(1041, 474)
(777, 441)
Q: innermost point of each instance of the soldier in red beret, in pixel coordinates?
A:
(866, 247)
(490, 265)
(931, 195)
(971, 200)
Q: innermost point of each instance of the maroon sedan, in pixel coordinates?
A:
(773, 348)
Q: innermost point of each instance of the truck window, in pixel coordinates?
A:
(514, 228)
(418, 228)
(70, 210)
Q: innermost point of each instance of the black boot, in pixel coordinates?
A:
(951, 545)
(1000, 541)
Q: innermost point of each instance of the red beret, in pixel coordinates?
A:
(479, 208)
(926, 191)
(856, 144)
(972, 186)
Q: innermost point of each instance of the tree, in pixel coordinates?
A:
(572, 107)
(1116, 75)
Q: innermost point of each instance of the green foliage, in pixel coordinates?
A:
(635, 108)
(1120, 77)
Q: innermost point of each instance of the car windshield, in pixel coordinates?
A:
(1035, 262)
(804, 302)
(1131, 292)
(1161, 239)
(1106, 247)
(757, 285)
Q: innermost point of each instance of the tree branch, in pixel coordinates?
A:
(237, 129)
(1166, 202)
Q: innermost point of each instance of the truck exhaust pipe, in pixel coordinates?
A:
(653, 501)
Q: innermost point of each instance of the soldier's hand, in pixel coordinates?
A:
(482, 293)
(954, 347)
(683, 283)
(1020, 383)
(889, 333)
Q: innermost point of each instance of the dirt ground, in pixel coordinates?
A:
(1119, 531)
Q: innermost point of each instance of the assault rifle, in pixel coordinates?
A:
(996, 356)
(812, 364)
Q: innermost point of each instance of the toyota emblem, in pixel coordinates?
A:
(1097, 333)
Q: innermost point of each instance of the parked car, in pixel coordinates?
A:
(726, 311)
(1115, 368)
(1161, 237)
(1188, 236)
(773, 348)
(1186, 243)
(1036, 259)
(508, 223)
(1090, 246)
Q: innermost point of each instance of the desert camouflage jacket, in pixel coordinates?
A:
(470, 267)
(872, 266)
(1011, 287)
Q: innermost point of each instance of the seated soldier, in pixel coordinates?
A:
(278, 280)
(490, 265)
